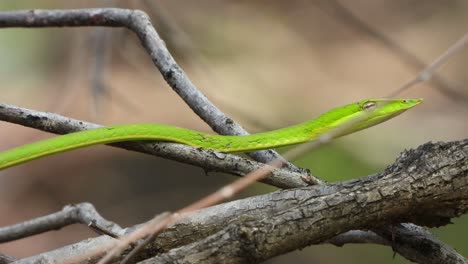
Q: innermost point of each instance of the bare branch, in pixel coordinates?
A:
(358, 237)
(5, 259)
(427, 183)
(101, 56)
(140, 24)
(441, 83)
(426, 186)
(140, 246)
(155, 227)
(419, 245)
(428, 71)
(84, 213)
(413, 242)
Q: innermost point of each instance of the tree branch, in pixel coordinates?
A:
(138, 22)
(441, 84)
(419, 245)
(425, 186)
(84, 213)
(5, 259)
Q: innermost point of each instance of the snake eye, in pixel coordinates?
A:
(369, 105)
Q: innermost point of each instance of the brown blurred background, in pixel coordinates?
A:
(267, 64)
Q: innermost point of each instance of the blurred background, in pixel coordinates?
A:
(267, 64)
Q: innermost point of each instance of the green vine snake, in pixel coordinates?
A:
(366, 113)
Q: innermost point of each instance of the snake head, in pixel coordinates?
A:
(374, 111)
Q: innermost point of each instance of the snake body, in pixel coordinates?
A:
(367, 112)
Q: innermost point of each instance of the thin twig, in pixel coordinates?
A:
(145, 242)
(442, 85)
(153, 228)
(102, 49)
(102, 54)
(84, 213)
(427, 73)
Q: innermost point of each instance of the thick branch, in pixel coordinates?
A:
(140, 24)
(207, 159)
(426, 186)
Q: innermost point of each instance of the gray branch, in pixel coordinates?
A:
(138, 22)
(358, 237)
(84, 213)
(419, 245)
(5, 259)
(349, 19)
(426, 186)
(206, 159)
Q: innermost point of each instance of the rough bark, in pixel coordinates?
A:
(427, 186)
